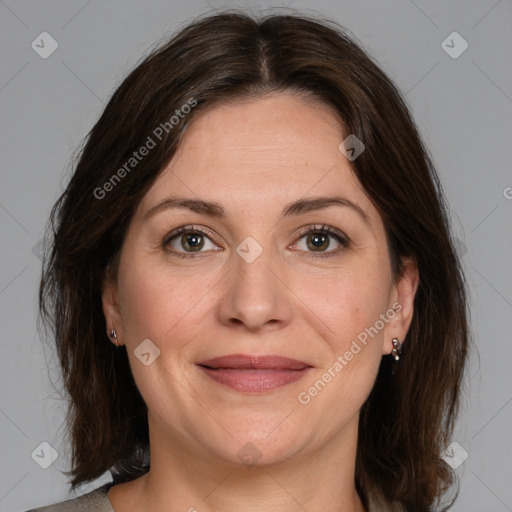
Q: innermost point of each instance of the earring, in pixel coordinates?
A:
(113, 335)
(397, 349)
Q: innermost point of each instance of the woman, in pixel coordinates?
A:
(256, 227)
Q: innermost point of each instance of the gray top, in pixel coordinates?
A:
(94, 501)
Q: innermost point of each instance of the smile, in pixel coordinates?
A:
(254, 374)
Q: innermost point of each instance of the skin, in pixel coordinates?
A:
(254, 157)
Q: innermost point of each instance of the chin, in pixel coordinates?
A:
(259, 447)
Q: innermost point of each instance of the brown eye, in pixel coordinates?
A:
(323, 240)
(192, 241)
(187, 240)
(317, 241)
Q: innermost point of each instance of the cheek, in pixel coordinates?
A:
(350, 308)
(158, 302)
(346, 301)
(142, 300)
(158, 305)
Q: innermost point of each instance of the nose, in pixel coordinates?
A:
(255, 296)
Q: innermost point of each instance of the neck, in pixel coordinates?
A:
(321, 478)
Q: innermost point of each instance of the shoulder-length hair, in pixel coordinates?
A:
(409, 416)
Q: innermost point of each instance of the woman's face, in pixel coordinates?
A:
(281, 272)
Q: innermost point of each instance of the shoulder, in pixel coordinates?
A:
(96, 500)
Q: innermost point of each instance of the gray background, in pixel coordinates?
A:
(462, 106)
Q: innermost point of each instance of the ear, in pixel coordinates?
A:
(110, 305)
(402, 303)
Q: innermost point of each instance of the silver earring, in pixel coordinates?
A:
(397, 349)
(113, 335)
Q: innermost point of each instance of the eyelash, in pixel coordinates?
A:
(343, 240)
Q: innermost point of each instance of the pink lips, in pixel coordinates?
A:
(253, 373)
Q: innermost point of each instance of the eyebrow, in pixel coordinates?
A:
(216, 210)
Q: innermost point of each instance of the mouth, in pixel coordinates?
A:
(254, 373)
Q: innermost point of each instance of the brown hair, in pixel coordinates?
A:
(408, 418)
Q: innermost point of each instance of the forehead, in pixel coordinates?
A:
(270, 150)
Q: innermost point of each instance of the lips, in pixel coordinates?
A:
(255, 362)
(254, 373)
